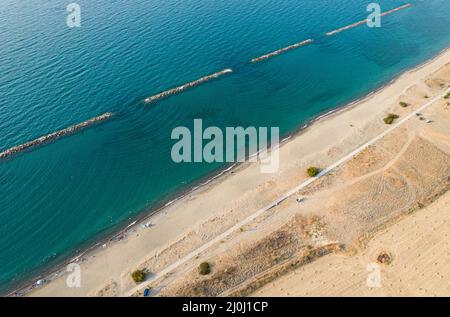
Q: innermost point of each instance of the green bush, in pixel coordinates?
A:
(390, 118)
(447, 96)
(204, 268)
(138, 276)
(313, 171)
(403, 104)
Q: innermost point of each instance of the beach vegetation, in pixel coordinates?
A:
(204, 268)
(447, 96)
(426, 96)
(384, 258)
(138, 276)
(313, 171)
(389, 119)
(403, 104)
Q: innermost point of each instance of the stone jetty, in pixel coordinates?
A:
(55, 135)
(282, 50)
(365, 21)
(191, 84)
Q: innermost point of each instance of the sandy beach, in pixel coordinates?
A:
(389, 189)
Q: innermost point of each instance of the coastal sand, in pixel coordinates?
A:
(420, 247)
(204, 214)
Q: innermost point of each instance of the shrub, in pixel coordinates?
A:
(384, 258)
(204, 268)
(447, 96)
(138, 276)
(313, 171)
(403, 104)
(390, 118)
(426, 97)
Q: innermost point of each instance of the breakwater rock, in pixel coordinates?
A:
(281, 50)
(55, 135)
(191, 84)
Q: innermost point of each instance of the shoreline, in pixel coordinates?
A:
(204, 184)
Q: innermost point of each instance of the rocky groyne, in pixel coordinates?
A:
(282, 50)
(365, 21)
(55, 135)
(191, 84)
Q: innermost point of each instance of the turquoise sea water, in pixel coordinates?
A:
(61, 197)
